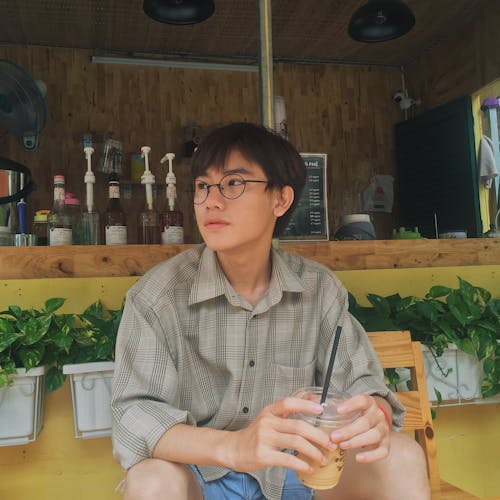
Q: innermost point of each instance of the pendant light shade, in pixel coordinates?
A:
(179, 11)
(381, 20)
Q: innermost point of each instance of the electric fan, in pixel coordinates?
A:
(22, 104)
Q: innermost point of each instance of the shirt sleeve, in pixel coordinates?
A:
(145, 385)
(357, 369)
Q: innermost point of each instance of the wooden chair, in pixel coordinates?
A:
(396, 350)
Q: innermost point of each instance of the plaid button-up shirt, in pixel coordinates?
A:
(191, 350)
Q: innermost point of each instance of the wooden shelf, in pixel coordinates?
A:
(135, 260)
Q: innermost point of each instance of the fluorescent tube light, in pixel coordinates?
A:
(129, 61)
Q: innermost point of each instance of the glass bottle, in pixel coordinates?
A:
(40, 227)
(148, 224)
(59, 220)
(148, 227)
(73, 207)
(115, 220)
(171, 219)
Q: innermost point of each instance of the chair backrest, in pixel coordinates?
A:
(396, 350)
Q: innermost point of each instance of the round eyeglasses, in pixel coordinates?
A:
(231, 186)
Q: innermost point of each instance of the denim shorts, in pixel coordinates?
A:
(241, 486)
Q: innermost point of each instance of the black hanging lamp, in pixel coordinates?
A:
(179, 11)
(381, 20)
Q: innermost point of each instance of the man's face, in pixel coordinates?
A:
(239, 223)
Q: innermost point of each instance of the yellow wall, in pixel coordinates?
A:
(59, 466)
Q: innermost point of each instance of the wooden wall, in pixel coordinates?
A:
(460, 66)
(344, 111)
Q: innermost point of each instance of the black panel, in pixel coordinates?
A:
(436, 163)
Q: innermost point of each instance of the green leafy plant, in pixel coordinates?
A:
(467, 316)
(95, 339)
(31, 337)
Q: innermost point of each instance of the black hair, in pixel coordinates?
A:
(280, 161)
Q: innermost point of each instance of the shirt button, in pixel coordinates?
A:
(245, 409)
(252, 363)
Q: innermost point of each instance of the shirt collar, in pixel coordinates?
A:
(211, 282)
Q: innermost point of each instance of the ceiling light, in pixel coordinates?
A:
(179, 11)
(381, 20)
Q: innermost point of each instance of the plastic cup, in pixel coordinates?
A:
(326, 476)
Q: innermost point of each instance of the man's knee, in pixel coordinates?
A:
(407, 453)
(154, 479)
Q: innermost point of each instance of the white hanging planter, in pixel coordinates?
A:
(463, 382)
(464, 379)
(22, 407)
(91, 397)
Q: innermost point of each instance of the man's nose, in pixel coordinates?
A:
(214, 195)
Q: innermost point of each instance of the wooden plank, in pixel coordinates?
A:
(413, 418)
(450, 492)
(393, 348)
(425, 436)
(394, 254)
(135, 260)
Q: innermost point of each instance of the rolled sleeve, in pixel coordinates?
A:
(144, 386)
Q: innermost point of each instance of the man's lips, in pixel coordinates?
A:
(215, 223)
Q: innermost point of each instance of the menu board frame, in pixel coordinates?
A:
(309, 221)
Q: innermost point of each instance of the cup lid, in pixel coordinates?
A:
(41, 215)
(329, 415)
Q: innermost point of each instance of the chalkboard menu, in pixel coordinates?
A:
(310, 218)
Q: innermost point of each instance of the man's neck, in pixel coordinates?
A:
(249, 273)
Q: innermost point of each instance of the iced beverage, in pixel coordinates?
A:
(326, 476)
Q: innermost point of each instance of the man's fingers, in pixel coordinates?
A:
(368, 456)
(372, 437)
(290, 405)
(289, 461)
(360, 402)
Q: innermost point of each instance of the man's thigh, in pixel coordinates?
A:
(403, 474)
(154, 479)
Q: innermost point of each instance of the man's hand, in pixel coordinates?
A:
(369, 431)
(265, 441)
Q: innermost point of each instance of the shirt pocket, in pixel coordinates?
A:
(288, 379)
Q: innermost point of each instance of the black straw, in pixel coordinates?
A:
(328, 376)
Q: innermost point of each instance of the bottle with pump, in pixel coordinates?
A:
(115, 220)
(90, 231)
(148, 223)
(59, 219)
(171, 219)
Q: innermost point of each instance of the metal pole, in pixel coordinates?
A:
(266, 64)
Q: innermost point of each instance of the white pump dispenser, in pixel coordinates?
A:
(87, 229)
(172, 228)
(147, 178)
(171, 181)
(89, 178)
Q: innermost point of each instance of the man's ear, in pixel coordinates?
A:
(284, 198)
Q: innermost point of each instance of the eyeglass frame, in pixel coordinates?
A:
(221, 190)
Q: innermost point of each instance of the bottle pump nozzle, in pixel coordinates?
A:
(147, 178)
(171, 181)
(89, 178)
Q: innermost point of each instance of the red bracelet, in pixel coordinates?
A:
(386, 415)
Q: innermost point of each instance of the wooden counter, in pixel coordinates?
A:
(135, 260)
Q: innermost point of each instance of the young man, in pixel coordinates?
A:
(215, 340)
